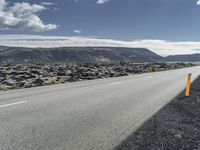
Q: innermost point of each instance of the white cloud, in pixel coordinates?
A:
(23, 16)
(102, 1)
(77, 31)
(47, 3)
(198, 2)
(2, 4)
(161, 47)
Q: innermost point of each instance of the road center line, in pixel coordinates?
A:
(11, 104)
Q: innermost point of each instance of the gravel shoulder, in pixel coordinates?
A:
(175, 127)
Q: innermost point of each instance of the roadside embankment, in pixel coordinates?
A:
(175, 127)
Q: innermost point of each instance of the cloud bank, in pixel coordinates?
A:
(23, 16)
(198, 2)
(161, 47)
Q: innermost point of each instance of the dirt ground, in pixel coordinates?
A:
(175, 127)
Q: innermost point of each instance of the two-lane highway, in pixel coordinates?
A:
(85, 115)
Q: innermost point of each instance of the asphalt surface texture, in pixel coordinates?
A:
(175, 127)
(88, 115)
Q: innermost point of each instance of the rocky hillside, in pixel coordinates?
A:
(76, 55)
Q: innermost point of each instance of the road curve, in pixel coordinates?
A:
(88, 115)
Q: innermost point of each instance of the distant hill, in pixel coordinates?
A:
(76, 55)
(86, 54)
(184, 58)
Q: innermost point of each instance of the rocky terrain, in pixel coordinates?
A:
(175, 127)
(32, 75)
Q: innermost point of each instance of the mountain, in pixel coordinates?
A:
(76, 55)
(184, 58)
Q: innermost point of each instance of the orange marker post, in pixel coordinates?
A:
(187, 92)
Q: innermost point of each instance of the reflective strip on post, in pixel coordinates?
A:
(187, 92)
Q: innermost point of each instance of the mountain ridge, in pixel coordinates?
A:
(87, 54)
(76, 55)
(184, 58)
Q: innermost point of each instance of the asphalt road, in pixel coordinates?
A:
(88, 115)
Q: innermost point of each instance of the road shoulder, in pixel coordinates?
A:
(176, 126)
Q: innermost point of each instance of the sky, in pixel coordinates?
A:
(166, 27)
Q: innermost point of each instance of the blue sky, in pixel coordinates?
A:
(150, 21)
(175, 20)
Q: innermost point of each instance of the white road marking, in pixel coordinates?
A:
(11, 104)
